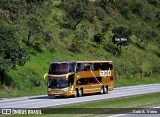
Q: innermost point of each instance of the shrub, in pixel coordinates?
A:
(153, 2)
(105, 27)
(82, 33)
(98, 38)
(137, 8)
(35, 81)
(125, 12)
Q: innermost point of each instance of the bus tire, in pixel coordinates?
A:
(80, 92)
(102, 90)
(105, 90)
(57, 97)
(75, 93)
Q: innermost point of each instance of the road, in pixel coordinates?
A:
(45, 101)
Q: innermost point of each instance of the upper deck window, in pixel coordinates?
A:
(59, 68)
(103, 66)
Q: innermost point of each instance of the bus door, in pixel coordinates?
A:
(96, 86)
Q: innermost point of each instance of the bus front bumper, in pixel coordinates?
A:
(60, 93)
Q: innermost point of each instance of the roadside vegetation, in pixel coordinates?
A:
(34, 33)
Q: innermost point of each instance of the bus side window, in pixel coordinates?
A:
(87, 68)
(111, 66)
(92, 67)
(108, 66)
(71, 68)
(99, 79)
(92, 81)
(82, 81)
(96, 66)
(78, 67)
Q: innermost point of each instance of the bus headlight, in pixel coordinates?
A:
(65, 89)
(71, 89)
(49, 90)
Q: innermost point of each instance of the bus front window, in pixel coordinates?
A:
(57, 83)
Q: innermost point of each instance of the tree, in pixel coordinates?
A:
(74, 12)
(121, 36)
(11, 52)
(104, 3)
(35, 29)
(98, 38)
(137, 8)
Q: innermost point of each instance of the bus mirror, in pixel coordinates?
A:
(45, 76)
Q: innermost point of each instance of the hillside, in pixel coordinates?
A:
(48, 31)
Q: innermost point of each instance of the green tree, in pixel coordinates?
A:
(11, 52)
(74, 12)
(137, 8)
(98, 38)
(35, 30)
(121, 36)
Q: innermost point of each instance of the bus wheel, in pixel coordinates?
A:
(102, 90)
(57, 96)
(75, 93)
(80, 92)
(105, 90)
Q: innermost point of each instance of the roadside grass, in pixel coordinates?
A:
(113, 106)
(137, 81)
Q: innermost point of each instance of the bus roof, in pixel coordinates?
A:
(93, 61)
(82, 61)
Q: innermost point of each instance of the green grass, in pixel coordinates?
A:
(137, 81)
(141, 101)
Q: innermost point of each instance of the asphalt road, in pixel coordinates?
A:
(45, 101)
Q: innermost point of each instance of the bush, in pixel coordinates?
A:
(146, 69)
(100, 13)
(125, 12)
(105, 26)
(48, 36)
(35, 81)
(98, 38)
(76, 45)
(82, 33)
(137, 8)
(153, 2)
(124, 8)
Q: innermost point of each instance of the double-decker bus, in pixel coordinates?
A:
(76, 78)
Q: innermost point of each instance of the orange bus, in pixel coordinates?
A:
(76, 78)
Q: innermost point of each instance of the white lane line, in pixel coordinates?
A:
(116, 115)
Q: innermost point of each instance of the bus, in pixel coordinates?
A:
(77, 78)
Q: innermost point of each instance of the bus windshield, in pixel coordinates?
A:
(57, 83)
(59, 68)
